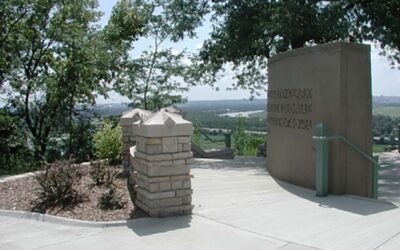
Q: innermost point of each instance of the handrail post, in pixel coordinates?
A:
(375, 176)
(398, 138)
(321, 182)
(228, 141)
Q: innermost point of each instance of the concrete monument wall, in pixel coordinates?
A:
(328, 84)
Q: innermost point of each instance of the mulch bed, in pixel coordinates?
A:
(22, 195)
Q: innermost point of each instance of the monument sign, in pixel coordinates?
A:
(329, 84)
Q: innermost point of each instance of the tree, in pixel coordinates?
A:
(380, 22)
(158, 77)
(61, 59)
(246, 33)
(11, 14)
(14, 154)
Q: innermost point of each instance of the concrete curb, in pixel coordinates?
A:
(67, 221)
(19, 176)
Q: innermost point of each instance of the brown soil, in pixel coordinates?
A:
(22, 195)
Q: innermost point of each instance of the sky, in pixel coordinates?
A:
(385, 80)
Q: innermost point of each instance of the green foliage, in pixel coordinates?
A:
(392, 111)
(158, 77)
(384, 125)
(380, 22)
(105, 176)
(102, 175)
(60, 58)
(80, 140)
(245, 143)
(196, 138)
(109, 201)
(246, 33)
(15, 156)
(57, 186)
(378, 148)
(97, 172)
(107, 142)
(239, 136)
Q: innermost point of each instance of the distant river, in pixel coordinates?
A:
(242, 114)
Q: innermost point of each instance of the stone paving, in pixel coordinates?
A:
(237, 206)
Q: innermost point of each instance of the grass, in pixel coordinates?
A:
(261, 115)
(392, 111)
(206, 144)
(378, 148)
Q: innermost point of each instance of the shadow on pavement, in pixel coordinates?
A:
(353, 204)
(149, 226)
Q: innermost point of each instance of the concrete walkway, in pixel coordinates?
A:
(237, 206)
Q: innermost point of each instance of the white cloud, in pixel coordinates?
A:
(199, 46)
(385, 80)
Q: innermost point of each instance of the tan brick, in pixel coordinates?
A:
(176, 201)
(141, 168)
(169, 145)
(153, 149)
(124, 129)
(184, 139)
(162, 163)
(179, 209)
(183, 192)
(140, 139)
(187, 199)
(153, 187)
(152, 141)
(164, 186)
(167, 171)
(162, 157)
(187, 183)
(176, 185)
(159, 195)
(180, 147)
(142, 206)
(186, 147)
(180, 177)
(178, 162)
(183, 155)
(151, 203)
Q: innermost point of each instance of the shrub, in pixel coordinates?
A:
(107, 142)
(97, 172)
(109, 201)
(246, 144)
(57, 185)
(102, 175)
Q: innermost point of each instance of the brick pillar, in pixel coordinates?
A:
(128, 137)
(161, 158)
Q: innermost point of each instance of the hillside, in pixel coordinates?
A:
(385, 105)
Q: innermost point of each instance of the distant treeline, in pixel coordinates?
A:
(212, 120)
(383, 125)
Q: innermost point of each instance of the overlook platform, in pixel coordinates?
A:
(237, 206)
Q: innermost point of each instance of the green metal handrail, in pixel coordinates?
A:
(227, 138)
(322, 139)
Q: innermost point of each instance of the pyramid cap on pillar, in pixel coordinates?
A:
(172, 109)
(163, 124)
(134, 115)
